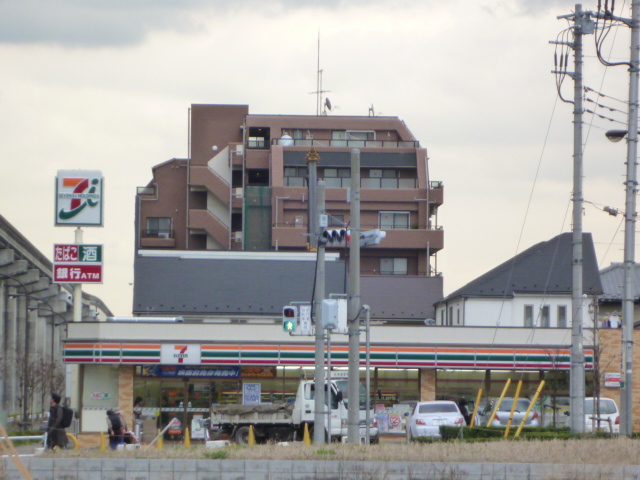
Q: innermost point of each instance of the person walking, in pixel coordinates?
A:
(462, 405)
(56, 435)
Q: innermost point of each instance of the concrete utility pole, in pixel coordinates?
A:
(582, 24)
(577, 348)
(631, 186)
(353, 310)
(318, 295)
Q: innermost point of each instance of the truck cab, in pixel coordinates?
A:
(304, 412)
(342, 384)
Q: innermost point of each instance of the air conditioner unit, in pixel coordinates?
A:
(163, 235)
(237, 236)
(238, 192)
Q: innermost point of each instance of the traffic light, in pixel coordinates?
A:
(336, 236)
(372, 237)
(289, 318)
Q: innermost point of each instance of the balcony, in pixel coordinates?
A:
(157, 239)
(299, 142)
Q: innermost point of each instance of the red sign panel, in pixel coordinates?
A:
(77, 273)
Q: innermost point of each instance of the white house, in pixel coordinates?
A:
(532, 289)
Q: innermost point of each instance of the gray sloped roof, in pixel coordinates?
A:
(172, 285)
(612, 278)
(543, 268)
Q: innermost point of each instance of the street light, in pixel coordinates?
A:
(626, 400)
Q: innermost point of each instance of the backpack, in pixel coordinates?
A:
(67, 417)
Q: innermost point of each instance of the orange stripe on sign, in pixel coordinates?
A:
(110, 345)
(258, 348)
(142, 347)
(294, 349)
(79, 345)
(71, 182)
(219, 347)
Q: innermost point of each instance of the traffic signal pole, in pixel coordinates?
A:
(316, 205)
(353, 385)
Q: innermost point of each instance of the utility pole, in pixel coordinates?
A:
(318, 295)
(353, 417)
(582, 24)
(631, 186)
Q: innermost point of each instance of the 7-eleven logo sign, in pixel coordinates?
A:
(180, 354)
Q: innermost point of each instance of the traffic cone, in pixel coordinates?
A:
(103, 443)
(160, 441)
(187, 438)
(306, 438)
(252, 437)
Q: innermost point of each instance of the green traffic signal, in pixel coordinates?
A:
(289, 325)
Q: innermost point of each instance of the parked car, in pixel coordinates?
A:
(429, 416)
(608, 418)
(502, 415)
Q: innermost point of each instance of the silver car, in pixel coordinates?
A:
(429, 416)
(502, 415)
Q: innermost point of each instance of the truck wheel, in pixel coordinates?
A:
(242, 436)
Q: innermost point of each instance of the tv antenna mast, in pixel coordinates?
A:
(319, 90)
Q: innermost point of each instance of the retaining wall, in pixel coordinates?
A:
(157, 469)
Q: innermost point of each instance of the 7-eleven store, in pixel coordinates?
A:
(180, 369)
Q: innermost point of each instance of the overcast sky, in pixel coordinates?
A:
(107, 86)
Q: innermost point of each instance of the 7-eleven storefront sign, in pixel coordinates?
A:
(185, 354)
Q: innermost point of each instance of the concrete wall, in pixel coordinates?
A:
(160, 469)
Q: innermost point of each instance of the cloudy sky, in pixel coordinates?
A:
(107, 86)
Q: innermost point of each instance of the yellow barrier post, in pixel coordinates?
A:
(187, 438)
(103, 443)
(160, 441)
(475, 408)
(495, 410)
(513, 409)
(533, 402)
(306, 438)
(252, 436)
(76, 445)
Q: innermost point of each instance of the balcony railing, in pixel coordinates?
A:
(345, 182)
(299, 142)
(156, 233)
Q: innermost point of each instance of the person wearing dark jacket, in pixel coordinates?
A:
(56, 435)
(115, 428)
(462, 405)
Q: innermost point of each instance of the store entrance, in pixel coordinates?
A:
(183, 402)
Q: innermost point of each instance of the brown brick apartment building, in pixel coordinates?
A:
(244, 189)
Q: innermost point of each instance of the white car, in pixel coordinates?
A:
(429, 416)
(608, 418)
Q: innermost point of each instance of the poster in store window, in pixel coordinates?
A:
(251, 393)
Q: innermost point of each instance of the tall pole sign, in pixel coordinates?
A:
(78, 202)
(79, 198)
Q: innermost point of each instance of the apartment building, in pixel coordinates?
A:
(244, 188)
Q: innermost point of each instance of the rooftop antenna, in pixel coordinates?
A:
(319, 90)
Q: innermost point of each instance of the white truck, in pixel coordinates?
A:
(279, 421)
(341, 381)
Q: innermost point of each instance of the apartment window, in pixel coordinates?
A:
(295, 176)
(458, 316)
(545, 321)
(394, 220)
(442, 312)
(393, 266)
(385, 178)
(336, 177)
(562, 316)
(259, 137)
(336, 220)
(528, 315)
(159, 227)
(450, 319)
